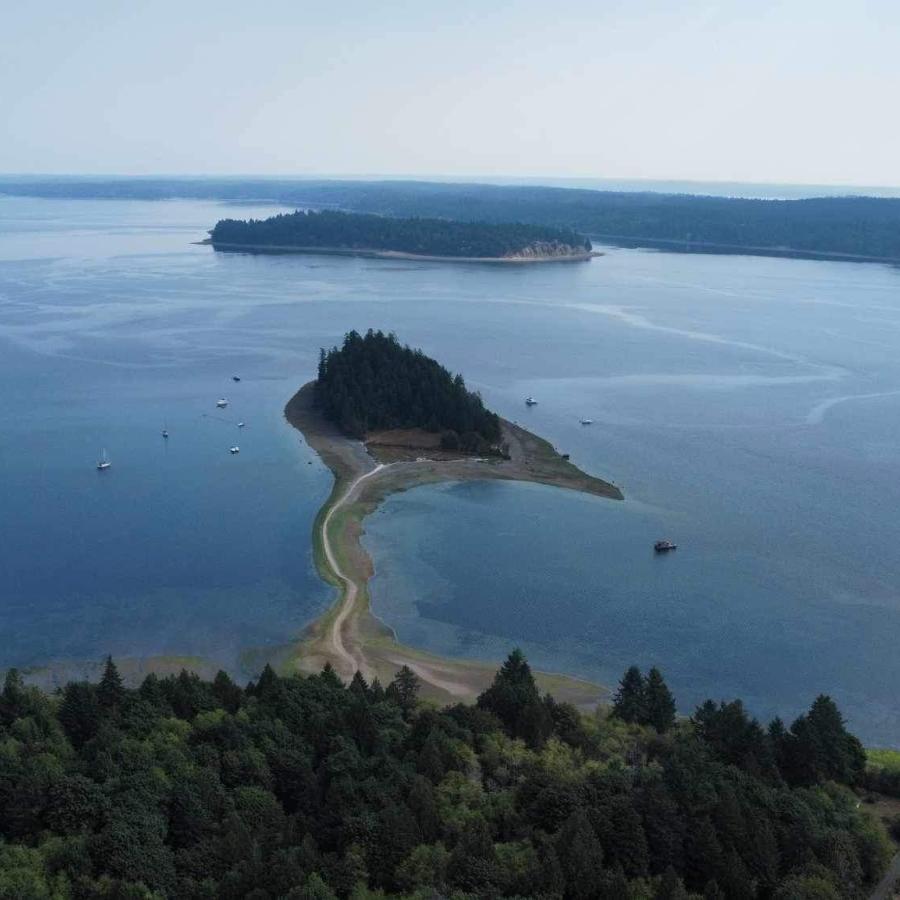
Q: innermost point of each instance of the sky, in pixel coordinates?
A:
(797, 91)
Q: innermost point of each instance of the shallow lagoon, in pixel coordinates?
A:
(748, 407)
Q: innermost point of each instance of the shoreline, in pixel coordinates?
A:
(349, 635)
(396, 254)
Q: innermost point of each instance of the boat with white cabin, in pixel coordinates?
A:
(530, 401)
(103, 462)
(221, 403)
(587, 421)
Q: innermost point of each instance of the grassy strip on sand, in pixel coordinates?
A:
(348, 635)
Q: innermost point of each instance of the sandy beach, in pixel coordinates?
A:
(397, 255)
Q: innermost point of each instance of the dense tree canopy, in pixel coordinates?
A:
(300, 787)
(372, 382)
(425, 237)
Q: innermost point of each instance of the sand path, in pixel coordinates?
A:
(351, 589)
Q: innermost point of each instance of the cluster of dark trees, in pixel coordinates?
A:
(645, 701)
(853, 226)
(426, 237)
(373, 382)
(301, 788)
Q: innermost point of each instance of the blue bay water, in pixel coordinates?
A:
(749, 408)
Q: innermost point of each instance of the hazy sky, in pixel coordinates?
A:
(796, 91)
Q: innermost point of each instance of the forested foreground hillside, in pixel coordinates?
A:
(303, 788)
(422, 237)
(373, 382)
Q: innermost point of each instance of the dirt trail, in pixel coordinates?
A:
(351, 589)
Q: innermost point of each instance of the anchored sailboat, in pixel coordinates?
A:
(103, 462)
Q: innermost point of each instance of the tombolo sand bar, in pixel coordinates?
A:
(348, 636)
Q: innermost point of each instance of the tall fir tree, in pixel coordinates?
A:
(659, 703)
(110, 691)
(404, 690)
(630, 702)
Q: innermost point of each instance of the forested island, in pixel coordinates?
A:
(852, 227)
(304, 788)
(373, 383)
(419, 237)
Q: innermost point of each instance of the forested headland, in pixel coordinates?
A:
(373, 382)
(840, 227)
(332, 230)
(302, 788)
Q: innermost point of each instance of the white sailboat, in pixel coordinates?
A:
(103, 462)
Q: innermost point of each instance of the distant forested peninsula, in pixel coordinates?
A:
(855, 228)
(331, 230)
(373, 383)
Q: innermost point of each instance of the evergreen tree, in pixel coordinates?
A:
(110, 691)
(819, 748)
(79, 712)
(513, 698)
(358, 686)
(404, 690)
(422, 803)
(12, 700)
(630, 702)
(376, 691)
(662, 825)
(329, 677)
(703, 856)
(580, 857)
(659, 702)
(267, 685)
(227, 692)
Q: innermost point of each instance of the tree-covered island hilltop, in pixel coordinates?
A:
(375, 235)
(372, 384)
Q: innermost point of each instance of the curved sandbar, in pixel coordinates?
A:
(398, 255)
(348, 636)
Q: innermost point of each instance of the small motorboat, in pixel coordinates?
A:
(664, 546)
(221, 403)
(165, 432)
(235, 377)
(233, 450)
(103, 462)
(587, 421)
(530, 401)
(240, 424)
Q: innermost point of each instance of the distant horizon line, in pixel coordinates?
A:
(439, 177)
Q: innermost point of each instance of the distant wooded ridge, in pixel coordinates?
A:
(421, 237)
(866, 228)
(372, 382)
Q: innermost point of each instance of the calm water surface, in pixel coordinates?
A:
(750, 409)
